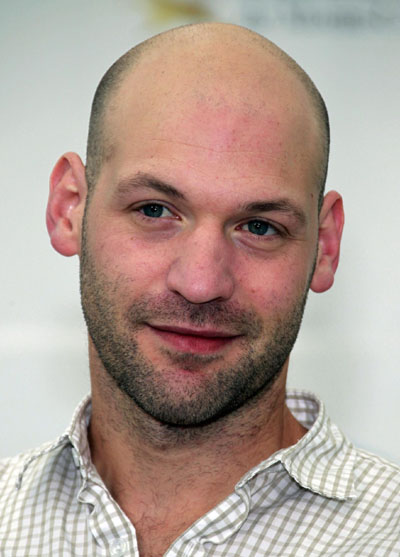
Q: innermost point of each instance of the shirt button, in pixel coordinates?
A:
(118, 547)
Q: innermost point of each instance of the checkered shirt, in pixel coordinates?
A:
(319, 497)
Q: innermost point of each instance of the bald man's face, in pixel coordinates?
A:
(201, 235)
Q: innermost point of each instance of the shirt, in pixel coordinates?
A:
(319, 497)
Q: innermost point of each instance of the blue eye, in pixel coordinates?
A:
(155, 210)
(260, 228)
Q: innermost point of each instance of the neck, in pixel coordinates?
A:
(149, 466)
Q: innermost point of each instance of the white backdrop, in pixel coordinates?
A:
(53, 54)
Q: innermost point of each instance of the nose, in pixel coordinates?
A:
(201, 271)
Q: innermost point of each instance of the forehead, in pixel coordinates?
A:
(220, 121)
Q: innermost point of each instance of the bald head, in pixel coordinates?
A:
(202, 60)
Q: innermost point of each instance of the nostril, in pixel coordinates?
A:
(202, 283)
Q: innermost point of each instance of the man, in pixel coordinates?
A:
(200, 223)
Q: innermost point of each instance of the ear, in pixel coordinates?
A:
(331, 223)
(66, 204)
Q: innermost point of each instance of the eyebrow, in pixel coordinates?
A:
(144, 180)
(148, 181)
(280, 205)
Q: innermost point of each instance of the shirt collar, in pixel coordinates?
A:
(75, 435)
(322, 461)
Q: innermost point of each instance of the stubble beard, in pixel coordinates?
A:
(222, 390)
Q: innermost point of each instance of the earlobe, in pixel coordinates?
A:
(66, 204)
(329, 237)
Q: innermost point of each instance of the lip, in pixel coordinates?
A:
(200, 341)
(212, 333)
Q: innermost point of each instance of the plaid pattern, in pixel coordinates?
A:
(320, 497)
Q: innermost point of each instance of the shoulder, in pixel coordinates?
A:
(35, 487)
(51, 462)
(375, 476)
(9, 468)
(361, 487)
(12, 467)
(19, 473)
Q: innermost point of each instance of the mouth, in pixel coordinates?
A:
(195, 341)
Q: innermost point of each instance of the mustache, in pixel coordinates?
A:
(174, 310)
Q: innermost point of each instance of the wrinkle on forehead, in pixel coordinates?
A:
(211, 71)
(204, 148)
(220, 64)
(248, 106)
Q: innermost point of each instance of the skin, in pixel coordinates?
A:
(226, 125)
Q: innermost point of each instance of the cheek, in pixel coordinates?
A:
(131, 260)
(275, 285)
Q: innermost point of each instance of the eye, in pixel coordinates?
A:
(259, 228)
(155, 210)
